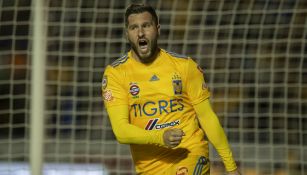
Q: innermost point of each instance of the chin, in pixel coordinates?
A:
(144, 56)
(147, 57)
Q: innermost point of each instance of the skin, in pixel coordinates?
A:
(173, 137)
(142, 28)
(143, 33)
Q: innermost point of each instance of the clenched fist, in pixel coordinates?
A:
(173, 137)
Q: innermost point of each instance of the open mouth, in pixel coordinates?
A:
(143, 44)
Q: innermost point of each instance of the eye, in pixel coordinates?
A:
(146, 25)
(132, 27)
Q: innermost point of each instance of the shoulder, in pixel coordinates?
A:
(179, 59)
(120, 61)
(116, 67)
(175, 55)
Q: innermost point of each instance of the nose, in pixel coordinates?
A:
(141, 32)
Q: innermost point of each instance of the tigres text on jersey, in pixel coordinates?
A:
(160, 95)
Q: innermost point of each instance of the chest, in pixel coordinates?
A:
(150, 84)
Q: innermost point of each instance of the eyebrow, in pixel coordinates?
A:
(144, 23)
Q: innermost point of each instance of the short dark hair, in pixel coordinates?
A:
(140, 8)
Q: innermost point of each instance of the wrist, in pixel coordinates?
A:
(157, 136)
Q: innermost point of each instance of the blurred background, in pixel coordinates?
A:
(253, 52)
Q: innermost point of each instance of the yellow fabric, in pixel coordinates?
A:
(157, 96)
(127, 133)
(193, 165)
(215, 133)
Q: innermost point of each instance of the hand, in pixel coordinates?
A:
(173, 137)
(235, 172)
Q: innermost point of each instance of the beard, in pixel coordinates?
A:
(147, 56)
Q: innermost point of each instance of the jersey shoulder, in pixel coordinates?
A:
(184, 62)
(176, 55)
(116, 67)
(123, 59)
(179, 59)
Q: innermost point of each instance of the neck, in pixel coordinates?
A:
(148, 60)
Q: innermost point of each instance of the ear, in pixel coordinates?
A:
(158, 28)
(126, 33)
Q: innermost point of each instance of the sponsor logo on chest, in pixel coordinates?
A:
(153, 124)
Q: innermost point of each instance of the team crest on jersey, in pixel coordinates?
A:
(104, 82)
(134, 90)
(177, 84)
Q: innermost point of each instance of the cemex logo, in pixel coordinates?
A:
(153, 124)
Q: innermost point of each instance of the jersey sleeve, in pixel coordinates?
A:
(116, 102)
(113, 91)
(215, 133)
(127, 133)
(197, 89)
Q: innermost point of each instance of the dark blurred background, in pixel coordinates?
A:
(253, 53)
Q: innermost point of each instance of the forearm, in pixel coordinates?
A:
(127, 133)
(215, 133)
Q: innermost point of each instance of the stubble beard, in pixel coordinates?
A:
(147, 57)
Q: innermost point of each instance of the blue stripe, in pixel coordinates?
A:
(176, 55)
(199, 166)
(153, 124)
(120, 60)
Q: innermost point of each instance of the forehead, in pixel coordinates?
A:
(139, 18)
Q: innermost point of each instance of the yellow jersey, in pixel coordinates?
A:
(159, 96)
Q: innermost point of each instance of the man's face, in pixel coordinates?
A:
(142, 33)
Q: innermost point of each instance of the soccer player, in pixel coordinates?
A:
(158, 102)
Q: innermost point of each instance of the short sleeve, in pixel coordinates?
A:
(197, 89)
(112, 87)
